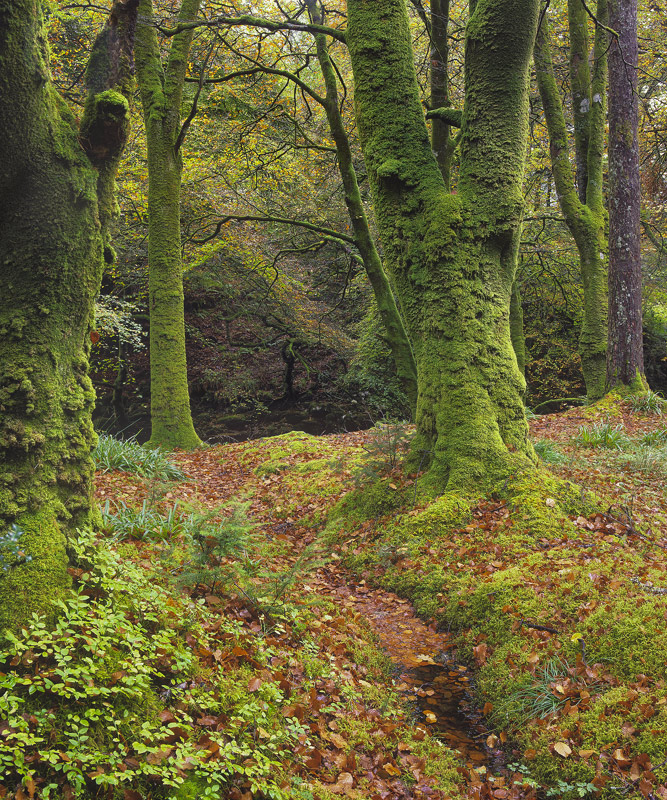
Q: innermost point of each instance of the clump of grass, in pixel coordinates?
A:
(548, 452)
(130, 456)
(654, 438)
(647, 403)
(147, 522)
(603, 435)
(538, 699)
(647, 459)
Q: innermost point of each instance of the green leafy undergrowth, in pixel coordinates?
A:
(130, 456)
(136, 686)
(141, 691)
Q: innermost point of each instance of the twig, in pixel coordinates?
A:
(538, 627)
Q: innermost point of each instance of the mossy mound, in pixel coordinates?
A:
(561, 613)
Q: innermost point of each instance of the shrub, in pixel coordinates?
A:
(110, 697)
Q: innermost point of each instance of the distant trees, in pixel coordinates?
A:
(581, 198)
(56, 201)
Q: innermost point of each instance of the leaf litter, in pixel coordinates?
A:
(436, 689)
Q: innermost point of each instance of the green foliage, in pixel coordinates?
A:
(113, 317)
(107, 698)
(602, 434)
(654, 438)
(562, 789)
(647, 459)
(130, 456)
(538, 698)
(387, 445)
(548, 452)
(216, 551)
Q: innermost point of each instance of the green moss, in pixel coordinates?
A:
(374, 499)
(32, 586)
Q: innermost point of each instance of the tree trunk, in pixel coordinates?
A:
(441, 139)
(625, 358)
(453, 258)
(161, 95)
(396, 336)
(582, 204)
(55, 201)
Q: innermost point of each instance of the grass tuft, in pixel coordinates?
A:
(548, 452)
(647, 403)
(602, 434)
(130, 456)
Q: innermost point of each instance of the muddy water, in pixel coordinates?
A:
(426, 673)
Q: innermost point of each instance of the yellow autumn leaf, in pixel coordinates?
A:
(563, 749)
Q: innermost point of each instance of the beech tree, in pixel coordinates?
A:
(56, 202)
(625, 357)
(161, 96)
(452, 256)
(582, 200)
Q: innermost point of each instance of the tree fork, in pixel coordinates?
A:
(452, 258)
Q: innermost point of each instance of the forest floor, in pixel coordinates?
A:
(349, 637)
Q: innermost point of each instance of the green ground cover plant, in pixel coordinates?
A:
(130, 456)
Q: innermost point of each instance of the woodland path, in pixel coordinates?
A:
(426, 674)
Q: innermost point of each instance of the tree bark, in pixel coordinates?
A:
(625, 356)
(453, 257)
(56, 199)
(161, 95)
(582, 204)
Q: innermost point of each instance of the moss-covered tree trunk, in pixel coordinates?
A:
(453, 257)
(625, 360)
(161, 95)
(582, 203)
(56, 185)
(395, 334)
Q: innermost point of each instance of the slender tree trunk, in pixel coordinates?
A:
(396, 336)
(582, 203)
(453, 258)
(441, 139)
(625, 357)
(161, 95)
(56, 188)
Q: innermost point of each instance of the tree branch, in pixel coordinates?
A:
(255, 22)
(280, 220)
